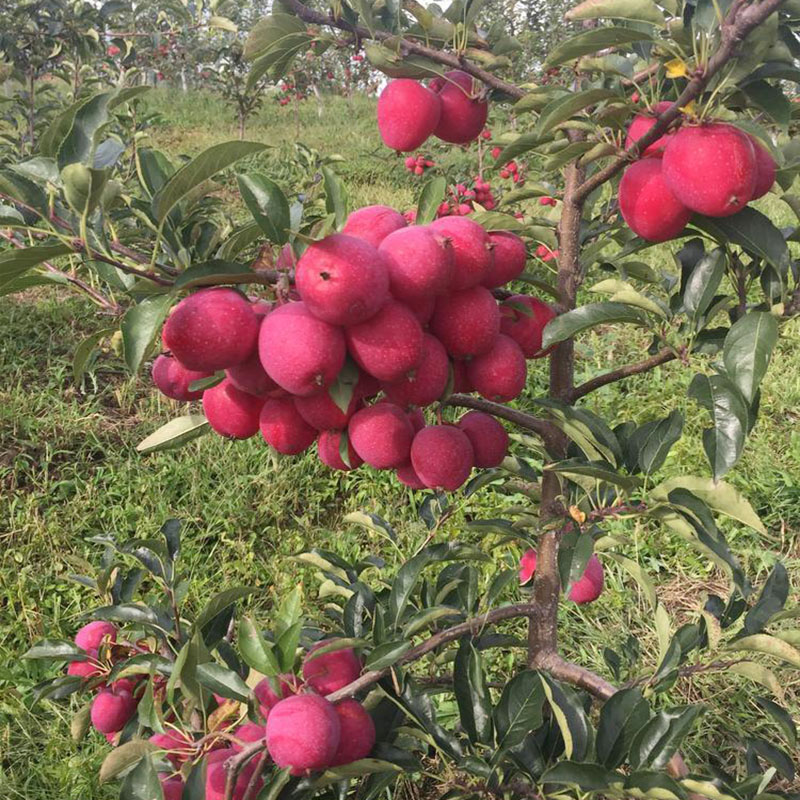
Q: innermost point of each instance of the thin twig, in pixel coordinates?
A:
(661, 357)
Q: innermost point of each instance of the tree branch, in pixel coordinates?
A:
(739, 22)
(661, 357)
(406, 46)
(541, 427)
(470, 626)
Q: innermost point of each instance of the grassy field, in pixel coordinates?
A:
(69, 470)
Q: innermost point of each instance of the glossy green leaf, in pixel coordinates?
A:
(15, 263)
(268, 205)
(592, 42)
(724, 441)
(214, 273)
(222, 681)
(623, 714)
(140, 326)
(174, 433)
(754, 232)
(430, 199)
(570, 716)
(747, 351)
(271, 31)
(565, 326)
(772, 599)
(142, 782)
(655, 785)
(782, 717)
(387, 654)
(657, 741)
(519, 710)
(564, 107)
(200, 169)
(336, 201)
(85, 350)
(651, 442)
(702, 283)
(760, 674)
(255, 650)
(55, 649)
(587, 777)
(637, 10)
(774, 755)
(472, 693)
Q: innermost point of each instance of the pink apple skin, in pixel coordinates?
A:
(303, 733)
(648, 205)
(642, 123)
(585, 590)
(329, 672)
(407, 114)
(90, 636)
(357, 733)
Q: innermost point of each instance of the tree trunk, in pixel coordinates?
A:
(32, 108)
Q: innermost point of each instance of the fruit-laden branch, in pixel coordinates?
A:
(661, 357)
(546, 430)
(742, 18)
(406, 46)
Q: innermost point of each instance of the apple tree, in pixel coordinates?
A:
(659, 123)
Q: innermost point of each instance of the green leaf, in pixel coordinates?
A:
(335, 196)
(652, 441)
(472, 693)
(752, 231)
(775, 756)
(223, 23)
(55, 649)
(219, 602)
(14, 263)
(140, 326)
(223, 681)
(80, 723)
(656, 785)
(637, 10)
(770, 99)
(659, 740)
(78, 143)
(562, 108)
(724, 441)
(85, 350)
(782, 717)
(720, 496)
(521, 145)
(586, 429)
(519, 710)
(592, 42)
(566, 326)
(771, 600)
(747, 351)
(83, 187)
(384, 655)
(430, 199)
(142, 782)
(255, 650)
(623, 714)
(200, 169)
(214, 273)
(268, 205)
(570, 716)
(702, 283)
(587, 777)
(271, 31)
(768, 645)
(124, 757)
(174, 433)
(760, 674)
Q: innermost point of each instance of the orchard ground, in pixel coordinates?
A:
(68, 470)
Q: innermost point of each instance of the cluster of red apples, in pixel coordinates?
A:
(406, 312)
(302, 730)
(417, 164)
(450, 108)
(710, 168)
(460, 199)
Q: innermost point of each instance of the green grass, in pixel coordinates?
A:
(69, 470)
